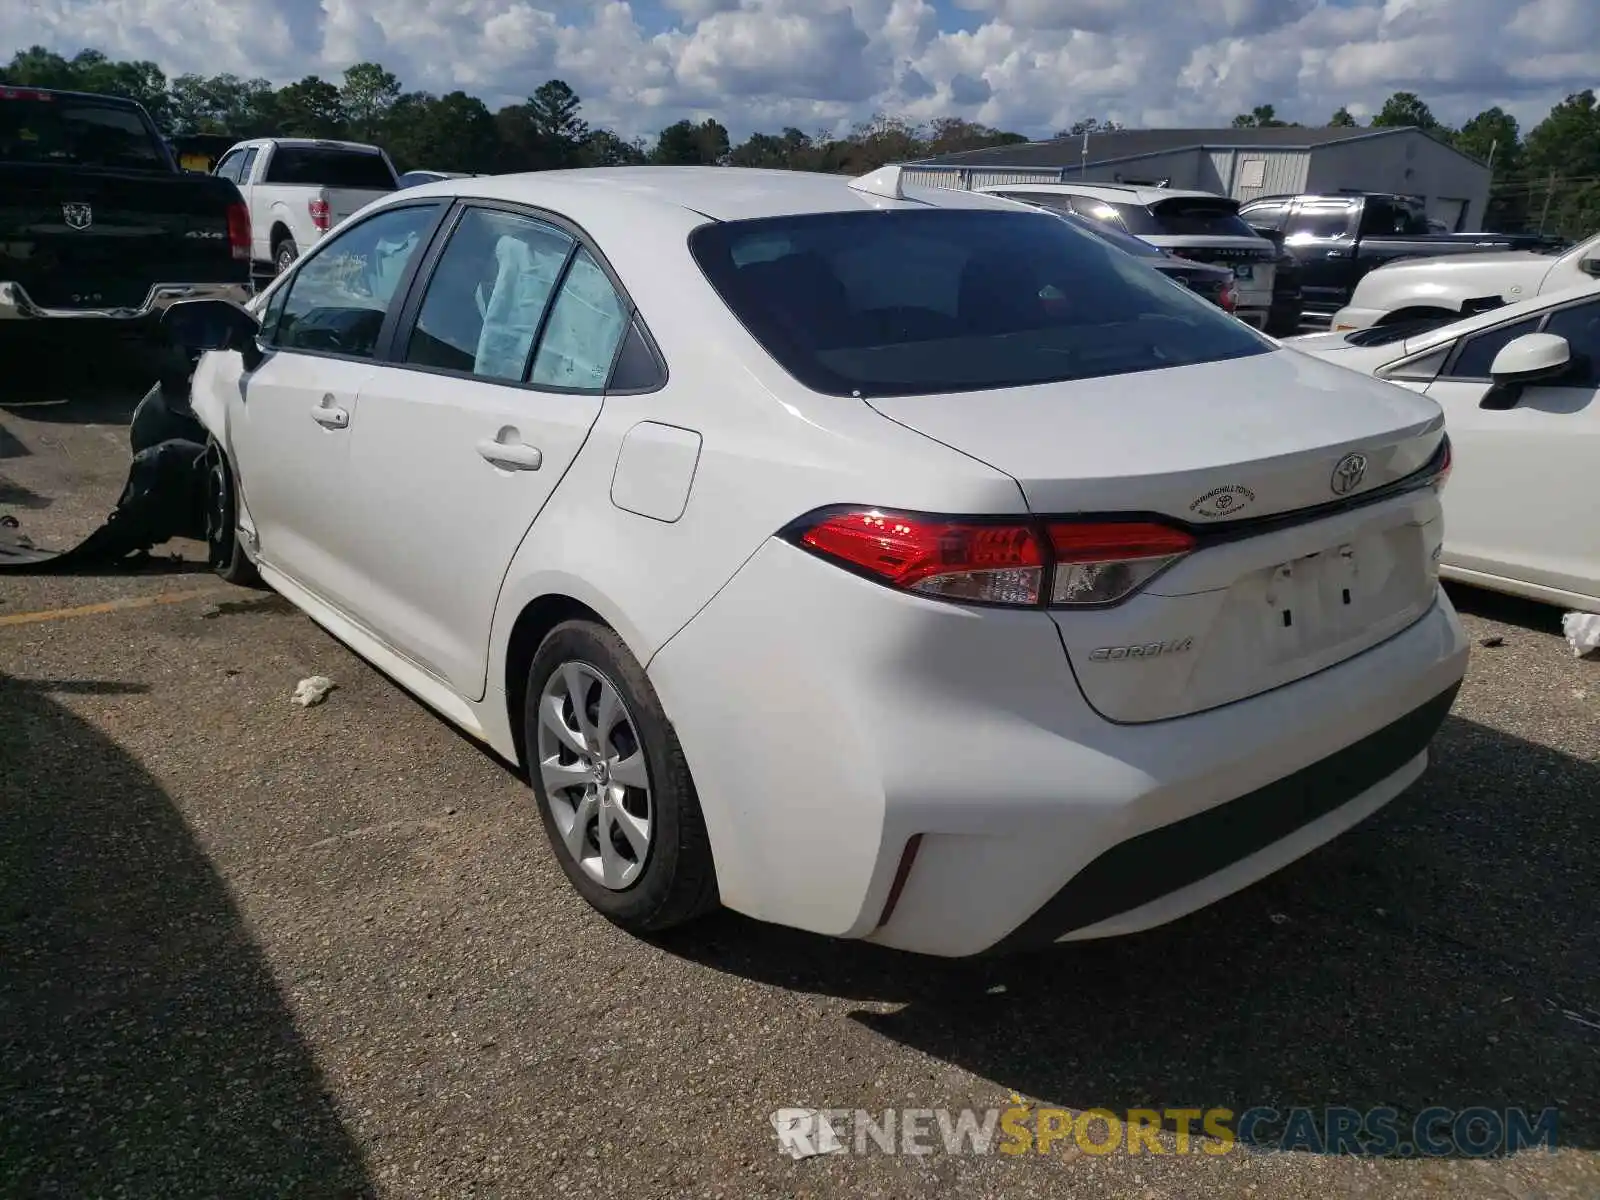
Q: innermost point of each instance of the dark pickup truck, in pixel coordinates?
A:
(99, 227)
(1336, 239)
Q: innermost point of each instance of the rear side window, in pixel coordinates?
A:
(325, 166)
(952, 300)
(1388, 218)
(78, 133)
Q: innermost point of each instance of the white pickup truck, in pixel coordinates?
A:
(1432, 291)
(298, 188)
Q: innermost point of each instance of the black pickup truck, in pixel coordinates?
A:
(99, 227)
(1336, 239)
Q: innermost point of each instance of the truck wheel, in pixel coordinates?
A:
(223, 549)
(284, 252)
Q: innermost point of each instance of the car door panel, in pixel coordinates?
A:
(1524, 498)
(290, 432)
(455, 455)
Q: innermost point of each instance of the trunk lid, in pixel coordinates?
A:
(344, 202)
(1217, 445)
(80, 238)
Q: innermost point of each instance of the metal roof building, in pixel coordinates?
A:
(1243, 163)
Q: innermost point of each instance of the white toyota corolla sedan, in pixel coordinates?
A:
(890, 563)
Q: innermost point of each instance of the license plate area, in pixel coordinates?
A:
(1353, 591)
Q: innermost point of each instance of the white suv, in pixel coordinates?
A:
(1200, 226)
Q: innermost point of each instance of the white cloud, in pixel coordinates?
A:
(1030, 65)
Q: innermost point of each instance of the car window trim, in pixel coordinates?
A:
(402, 288)
(393, 350)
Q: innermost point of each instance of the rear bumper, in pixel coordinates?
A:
(15, 304)
(876, 765)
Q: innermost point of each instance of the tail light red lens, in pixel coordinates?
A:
(13, 93)
(1021, 564)
(1446, 462)
(321, 216)
(1229, 299)
(976, 562)
(239, 231)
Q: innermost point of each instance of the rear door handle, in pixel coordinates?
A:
(329, 415)
(512, 456)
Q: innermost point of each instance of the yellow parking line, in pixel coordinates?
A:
(107, 606)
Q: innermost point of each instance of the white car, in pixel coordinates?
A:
(1520, 387)
(892, 563)
(1435, 291)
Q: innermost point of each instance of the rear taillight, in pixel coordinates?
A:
(1228, 298)
(239, 231)
(321, 217)
(1441, 474)
(1065, 564)
(11, 93)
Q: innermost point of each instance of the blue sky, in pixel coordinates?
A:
(1029, 65)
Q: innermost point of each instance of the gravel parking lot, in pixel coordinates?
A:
(248, 949)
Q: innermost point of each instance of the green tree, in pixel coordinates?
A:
(454, 132)
(1405, 108)
(790, 150)
(310, 107)
(40, 68)
(221, 104)
(1089, 125)
(369, 92)
(602, 148)
(1561, 162)
(554, 116)
(1341, 119)
(688, 144)
(1492, 132)
(950, 135)
(1262, 116)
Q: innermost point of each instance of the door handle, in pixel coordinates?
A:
(1337, 254)
(329, 415)
(512, 456)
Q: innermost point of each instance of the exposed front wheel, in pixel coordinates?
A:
(223, 548)
(614, 791)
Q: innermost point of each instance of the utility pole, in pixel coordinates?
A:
(1550, 194)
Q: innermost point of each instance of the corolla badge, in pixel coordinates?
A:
(1348, 473)
(1223, 501)
(77, 216)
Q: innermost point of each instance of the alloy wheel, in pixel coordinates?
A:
(595, 779)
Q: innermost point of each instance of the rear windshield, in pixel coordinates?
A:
(953, 300)
(1187, 217)
(78, 133)
(321, 166)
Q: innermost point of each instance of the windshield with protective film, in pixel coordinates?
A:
(949, 300)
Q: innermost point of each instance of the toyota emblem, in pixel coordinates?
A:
(1348, 474)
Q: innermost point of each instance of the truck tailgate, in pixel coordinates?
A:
(77, 238)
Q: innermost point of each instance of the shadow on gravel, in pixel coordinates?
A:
(1445, 953)
(1509, 610)
(144, 1047)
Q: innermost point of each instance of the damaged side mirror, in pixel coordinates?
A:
(200, 325)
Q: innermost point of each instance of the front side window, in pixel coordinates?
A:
(488, 295)
(1580, 325)
(1477, 352)
(954, 300)
(338, 299)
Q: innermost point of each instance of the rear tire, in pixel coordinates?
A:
(618, 803)
(284, 252)
(224, 551)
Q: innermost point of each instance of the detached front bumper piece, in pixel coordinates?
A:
(16, 305)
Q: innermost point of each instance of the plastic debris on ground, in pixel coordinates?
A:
(1583, 633)
(312, 691)
(805, 1133)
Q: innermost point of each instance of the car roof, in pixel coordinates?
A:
(716, 193)
(1111, 192)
